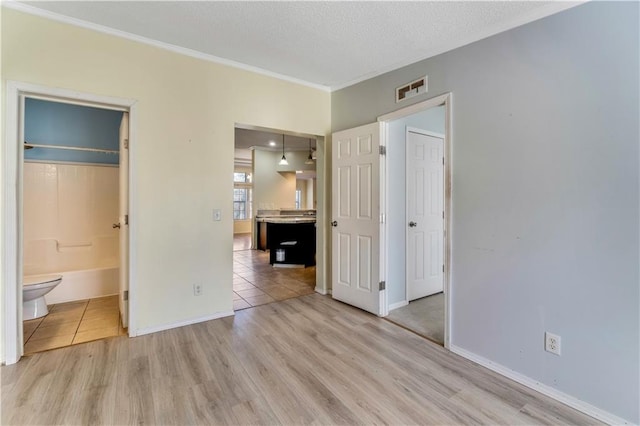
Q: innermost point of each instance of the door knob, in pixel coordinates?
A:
(334, 223)
(413, 224)
(116, 225)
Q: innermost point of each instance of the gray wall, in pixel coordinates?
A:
(545, 195)
(432, 120)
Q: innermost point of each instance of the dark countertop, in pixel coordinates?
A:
(286, 219)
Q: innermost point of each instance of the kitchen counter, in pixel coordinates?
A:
(291, 242)
(290, 237)
(286, 219)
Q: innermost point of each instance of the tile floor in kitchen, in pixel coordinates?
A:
(73, 322)
(256, 282)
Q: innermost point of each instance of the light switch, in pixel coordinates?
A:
(217, 215)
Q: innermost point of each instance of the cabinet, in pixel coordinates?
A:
(292, 243)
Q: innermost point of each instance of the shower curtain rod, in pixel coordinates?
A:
(73, 148)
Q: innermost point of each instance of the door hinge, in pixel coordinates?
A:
(126, 219)
(443, 268)
(125, 295)
(126, 144)
(443, 215)
(383, 285)
(382, 218)
(383, 150)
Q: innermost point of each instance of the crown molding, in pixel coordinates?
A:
(21, 7)
(540, 13)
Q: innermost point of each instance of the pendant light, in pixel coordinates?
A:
(283, 160)
(309, 158)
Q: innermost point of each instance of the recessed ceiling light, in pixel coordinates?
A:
(272, 143)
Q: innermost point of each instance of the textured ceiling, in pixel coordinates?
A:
(330, 44)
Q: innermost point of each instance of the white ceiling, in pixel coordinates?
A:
(328, 45)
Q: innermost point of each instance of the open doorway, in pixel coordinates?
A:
(276, 197)
(67, 231)
(71, 229)
(417, 161)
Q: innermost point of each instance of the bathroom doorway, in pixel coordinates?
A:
(71, 229)
(70, 219)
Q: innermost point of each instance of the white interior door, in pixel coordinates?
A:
(355, 201)
(124, 219)
(425, 213)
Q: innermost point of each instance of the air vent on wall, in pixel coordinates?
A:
(412, 89)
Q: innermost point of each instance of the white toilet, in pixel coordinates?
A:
(34, 287)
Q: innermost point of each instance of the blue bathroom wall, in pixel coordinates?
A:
(54, 123)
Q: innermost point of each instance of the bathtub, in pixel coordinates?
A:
(84, 284)
(88, 268)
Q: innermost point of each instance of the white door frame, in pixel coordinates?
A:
(442, 100)
(12, 227)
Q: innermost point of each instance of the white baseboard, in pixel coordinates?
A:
(398, 305)
(155, 329)
(562, 397)
(322, 291)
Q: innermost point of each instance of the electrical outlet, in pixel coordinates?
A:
(552, 343)
(197, 289)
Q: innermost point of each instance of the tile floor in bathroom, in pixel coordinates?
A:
(73, 322)
(256, 282)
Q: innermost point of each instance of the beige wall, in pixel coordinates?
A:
(184, 151)
(272, 189)
(311, 193)
(307, 195)
(301, 185)
(241, 226)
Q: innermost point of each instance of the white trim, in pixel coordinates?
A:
(398, 305)
(415, 108)
(383, 179)
(159, 44)
(133, 222)
(562, 397)
(384, 211)
(78, 102)
(425, 132)
(446, 100)
(157, 328)
(12, 186)
(550, 9)
(323, 291)
(12, 338)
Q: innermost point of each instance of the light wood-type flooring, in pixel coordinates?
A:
(306, 360)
